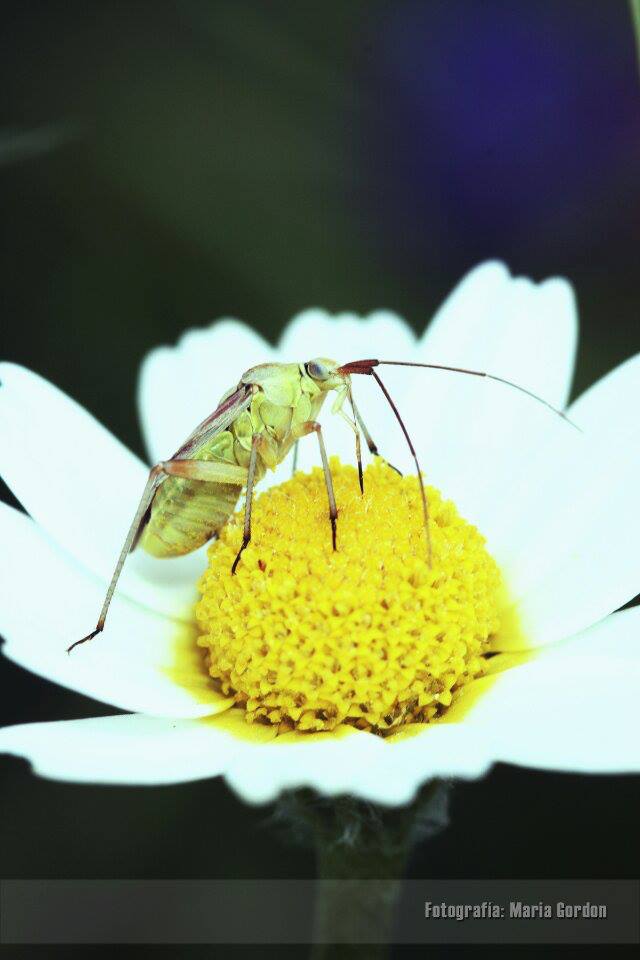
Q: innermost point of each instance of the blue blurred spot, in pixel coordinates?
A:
(496, 118)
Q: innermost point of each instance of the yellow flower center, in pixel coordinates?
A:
(370, 635)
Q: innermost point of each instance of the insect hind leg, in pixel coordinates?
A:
(156, 475)
(206, 471)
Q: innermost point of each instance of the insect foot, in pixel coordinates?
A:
(245, 543)
(89, 636)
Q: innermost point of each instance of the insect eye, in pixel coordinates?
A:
(317, 370)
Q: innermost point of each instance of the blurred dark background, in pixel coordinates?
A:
(165, 163)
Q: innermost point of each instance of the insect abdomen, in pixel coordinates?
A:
(186, 514)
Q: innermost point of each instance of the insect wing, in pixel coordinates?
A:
(221, 418)
(224, 415)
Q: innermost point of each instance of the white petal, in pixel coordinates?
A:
(474, 434)
(345, 336)
(535, 501)
(128, 749)
(575, 713)
(179, 386)
(610, 406)
(583, 562)
(359, 764)
(617, 636)
(141, 662)
(509, 326)
(83, 486)
(134, 749)
(571, 508)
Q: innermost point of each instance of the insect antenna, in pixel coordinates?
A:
(478, 373)
(425, 508)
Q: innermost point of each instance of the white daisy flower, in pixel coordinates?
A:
(557, 508)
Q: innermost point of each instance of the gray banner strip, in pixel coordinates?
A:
(281, 911)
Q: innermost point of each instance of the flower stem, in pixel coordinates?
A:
(361, 851)
(350, 911)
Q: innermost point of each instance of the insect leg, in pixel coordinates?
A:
(294, 465)
(156, 476)
(312, 427)
(246, 537)
(213, 472)
(358, 443)
(209, 471)
(370, 442)
(343, 393)
(423, 495)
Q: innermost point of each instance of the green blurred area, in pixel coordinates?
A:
(164, 164)
(202, 166)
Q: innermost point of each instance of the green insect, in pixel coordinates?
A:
(189, 498)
